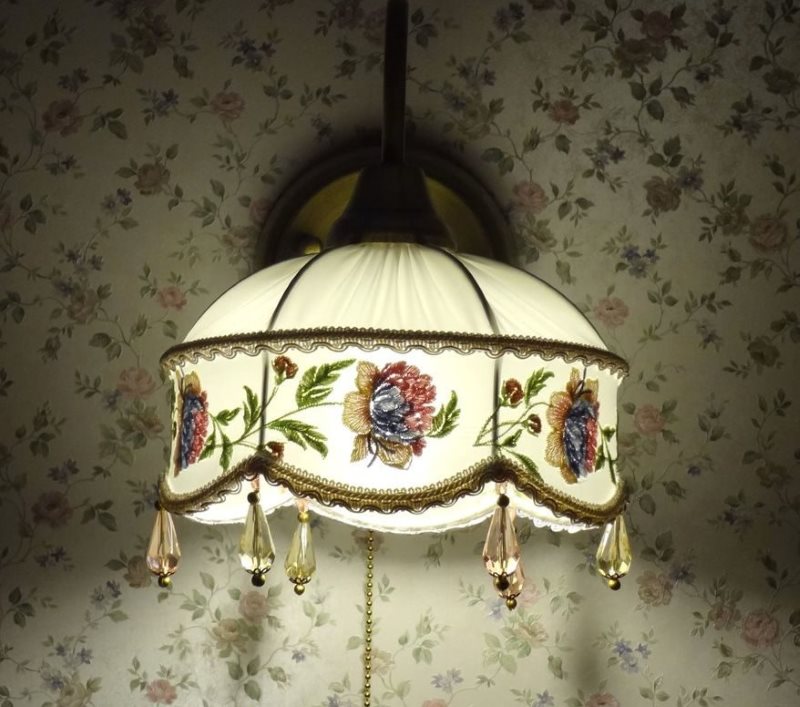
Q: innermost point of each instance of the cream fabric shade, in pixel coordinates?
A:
(396, 377)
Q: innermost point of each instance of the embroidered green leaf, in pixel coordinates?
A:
(316, 383)
(302, 433)
(227, 452)
(527, 462)
(208, 450)
(252, 410)
(511, 440)
(225, 416)
(445, 421)
(535, 383)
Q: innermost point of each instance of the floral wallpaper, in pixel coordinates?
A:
(646, 154)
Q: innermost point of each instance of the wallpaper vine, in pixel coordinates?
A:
(647, 155)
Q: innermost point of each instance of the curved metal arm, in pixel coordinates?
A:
(394, 82)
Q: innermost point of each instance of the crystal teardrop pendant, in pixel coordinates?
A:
(614, 552)
(501, 552)
(163, 551)
(300, 561)
(256, 549)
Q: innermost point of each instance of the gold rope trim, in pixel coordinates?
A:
(338, 339)
(414, 500)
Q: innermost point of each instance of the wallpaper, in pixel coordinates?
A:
(646, 154)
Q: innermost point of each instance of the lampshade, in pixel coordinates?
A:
(394, 384)
(383, 379)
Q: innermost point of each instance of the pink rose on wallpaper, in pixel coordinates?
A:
(254, 606)
(612, 311)
(227, 105)
(382, 662)
(760, 629)
(240, 238)
(161, 692)
(529, 196)
(767, 233)
(662, 195)
(171, 297)
(62, 117)
(648, 420)
(137, 574)
(151, 178)
(135, 383)
(564, 111)
(602, 699)
(434, 703)
(83, 305)
(259, 209)
(655, 589)
(52, 508)
(723, 616)
(657, 26)
(227, 632)
(147, 422)
(73, 694)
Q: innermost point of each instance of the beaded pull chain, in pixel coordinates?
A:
(368, 620)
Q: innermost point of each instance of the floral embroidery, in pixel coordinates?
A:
(572, 414)
(391, 413)
(193, 422)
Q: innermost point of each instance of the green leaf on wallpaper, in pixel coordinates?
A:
(207, 580)
(403, 689)
(655, 109)
(252, 690)
(647, 504)
(253, 666)
(218, 188)
(316, 383)
(554, 665)
(235, 670)
(508, 663)
(278, 674)
(492, 641)
(563, 143)
(353, 642)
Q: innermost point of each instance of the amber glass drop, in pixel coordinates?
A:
(614, 552)
(501, 552)
(163, 552)
(300, 561)
(256, 549)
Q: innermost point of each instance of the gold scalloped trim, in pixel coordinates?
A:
(414, 500)
(338, 339)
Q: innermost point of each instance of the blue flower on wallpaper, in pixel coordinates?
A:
(630, 657)
(639, 262)
(543, 699)
(448, 681)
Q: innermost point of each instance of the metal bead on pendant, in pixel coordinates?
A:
(256, 549)
(614, 555)
(163, 550)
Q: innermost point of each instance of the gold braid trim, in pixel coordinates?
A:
(339, 339)
(414, 500)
